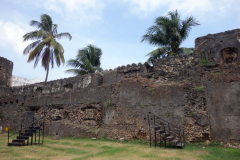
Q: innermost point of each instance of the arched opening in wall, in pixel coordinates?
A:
(68, 87)
(39, 91)
(229, 55)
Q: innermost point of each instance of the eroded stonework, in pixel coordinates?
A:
(6, 67)
(203, 99)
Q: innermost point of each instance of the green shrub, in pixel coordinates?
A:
(151, 91)
(108, 103)
(199, 88)
(204, 60)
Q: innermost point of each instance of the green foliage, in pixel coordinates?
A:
(192, 113)
(86, 61)
(142, 106)
(3, 96)
(204, 60)
(45, 48)
(199, 88)
(151, 91)
(168, 114)
(92, 130)
(105, 136)
(169, 32)
(108, 104)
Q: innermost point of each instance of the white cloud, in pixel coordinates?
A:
(11, 36)
(81, 11)
(143, 8)
(200, 9)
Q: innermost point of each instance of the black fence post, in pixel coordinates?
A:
(8, 135)
(43, 129)
(19, 136)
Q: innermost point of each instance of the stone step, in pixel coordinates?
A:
(18, 140)
(175, 141)
(31, 131)
(26, 134)
(23, 137)
(36, 128)
(170, 137)
(165, 134)
(15, 144)
(180, 145)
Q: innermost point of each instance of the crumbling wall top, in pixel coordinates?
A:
(6, 68)
(218, 48)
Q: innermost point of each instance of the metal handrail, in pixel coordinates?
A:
(24, 128)
(32, 123)
(20, 124)
(157, 121)
(167, 122)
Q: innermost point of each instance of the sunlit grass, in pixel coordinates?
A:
(77, 149)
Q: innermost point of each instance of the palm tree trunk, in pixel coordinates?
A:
(47, 74)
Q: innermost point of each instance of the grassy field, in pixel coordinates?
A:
(77, 149)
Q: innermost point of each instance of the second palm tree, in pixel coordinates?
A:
(86, 61)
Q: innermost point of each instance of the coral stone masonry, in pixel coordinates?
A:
(6, 68)
(201, 98)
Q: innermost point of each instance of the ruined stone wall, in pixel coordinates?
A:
(6, 68)
(203, 99)
(219, 48)
(115, 104)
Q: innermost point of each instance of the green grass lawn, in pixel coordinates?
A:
(77, 149)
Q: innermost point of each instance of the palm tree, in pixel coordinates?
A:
(168, 33)
(45, 47)
(86, 61)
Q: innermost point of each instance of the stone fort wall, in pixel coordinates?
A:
(203, 99)
(6, 68)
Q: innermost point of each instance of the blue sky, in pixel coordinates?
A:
(115, 26)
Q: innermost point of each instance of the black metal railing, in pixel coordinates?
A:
(20, 134)
(156, 122)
